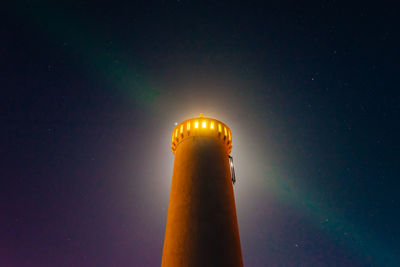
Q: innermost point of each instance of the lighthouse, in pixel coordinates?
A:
(202, 228)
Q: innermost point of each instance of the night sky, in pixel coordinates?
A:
(90, 92)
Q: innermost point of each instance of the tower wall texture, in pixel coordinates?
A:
(202, 228)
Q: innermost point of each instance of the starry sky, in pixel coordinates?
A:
(90, 92)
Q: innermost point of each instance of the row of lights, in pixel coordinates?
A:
(203, 125)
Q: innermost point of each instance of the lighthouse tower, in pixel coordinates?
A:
(202, 227)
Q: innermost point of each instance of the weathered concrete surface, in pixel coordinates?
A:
(201, 227)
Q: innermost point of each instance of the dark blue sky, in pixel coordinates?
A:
(91, 92)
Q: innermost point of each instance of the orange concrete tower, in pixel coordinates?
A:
(202, 228)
